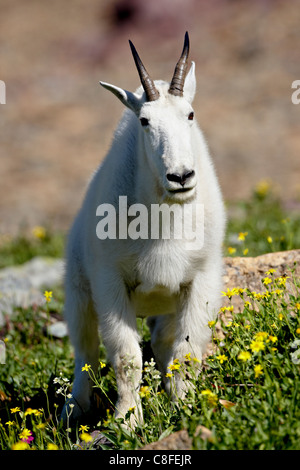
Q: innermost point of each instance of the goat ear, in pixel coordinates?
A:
(130, 100)
(189, 89)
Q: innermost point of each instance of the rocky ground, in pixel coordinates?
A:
(57, 122)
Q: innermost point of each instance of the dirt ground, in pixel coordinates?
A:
(57, 122)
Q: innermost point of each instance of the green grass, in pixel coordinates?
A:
(247, 394)
(41, 242)
(263, 225)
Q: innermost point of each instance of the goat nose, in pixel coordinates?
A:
(182, 179)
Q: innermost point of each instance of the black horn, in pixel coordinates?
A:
(177, 83)
(146, 81)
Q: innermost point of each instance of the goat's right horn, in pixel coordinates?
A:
(152, 93)
(177, 83)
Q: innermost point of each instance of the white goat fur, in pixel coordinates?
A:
(110, 282)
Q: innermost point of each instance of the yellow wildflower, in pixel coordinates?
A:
(244, 356)
(169, 375)
(34, 412)
(230, 293)
(277, 292)
(39, 232)
(211, 397)
(25, 434)
(261, 336)
(83, 428)
(21, 445)
(212, 400)
(231, 250)
(266, 281)
(245, 251)
(242, 236)
(258, 370)
(84, 436)
(206, 392)
(270, 272)
(195, 359)
(144, 391)
(175, 366)
(269, 239)
(222, 358)
(212, 323)
(281, 280)
(41, 425)
(15, 410)
(273, 338)
(86, 368)
(263, 187)
(48, 295)
(51, 446)
(266, 295)
(257, 345)
(227, 309)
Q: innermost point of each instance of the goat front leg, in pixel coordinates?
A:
(120, 337)
(199, 303)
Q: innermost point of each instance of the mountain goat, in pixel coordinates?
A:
(158, 158)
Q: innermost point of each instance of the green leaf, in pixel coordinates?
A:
(166, 432)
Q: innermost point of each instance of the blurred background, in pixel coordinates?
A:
(57, 123)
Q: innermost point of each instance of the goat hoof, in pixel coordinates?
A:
(72, 412)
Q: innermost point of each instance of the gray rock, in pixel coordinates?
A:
(21, 286)
(58, 329)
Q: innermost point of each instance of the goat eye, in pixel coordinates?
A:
(191, 116)
(144, 122)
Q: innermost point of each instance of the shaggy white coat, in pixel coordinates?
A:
(111, 282)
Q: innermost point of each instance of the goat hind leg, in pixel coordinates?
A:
(83, 331)
(199, 304)
(162, 336)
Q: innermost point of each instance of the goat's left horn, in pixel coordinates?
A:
(152, 93)
(177, 83)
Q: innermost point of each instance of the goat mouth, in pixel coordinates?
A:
(180, 190)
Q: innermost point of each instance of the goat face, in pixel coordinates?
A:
(167, 135)
(166, 126)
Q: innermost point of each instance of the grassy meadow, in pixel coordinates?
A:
(247, 396)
